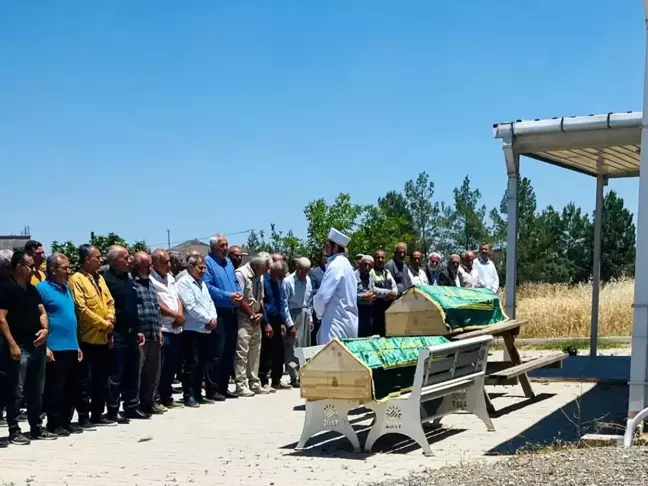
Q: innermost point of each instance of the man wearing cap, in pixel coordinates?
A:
(299, 295)
(336, 301)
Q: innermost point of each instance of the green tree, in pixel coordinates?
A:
(425, 213)
(379, 229)
(68, 249)
(465, 221)
(618, 239)
(575, 243)
(342, 215)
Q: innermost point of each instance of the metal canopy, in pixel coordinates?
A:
(606, 145)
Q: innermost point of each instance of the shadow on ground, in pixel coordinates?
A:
(603, 409)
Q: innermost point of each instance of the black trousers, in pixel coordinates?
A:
(196, 352)
(123, 381)
(379, 308)
(223, 362)
(93, 380)
(272, 354)
(61, 388)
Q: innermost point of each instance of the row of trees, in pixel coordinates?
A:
(102, 243)
(554, 245)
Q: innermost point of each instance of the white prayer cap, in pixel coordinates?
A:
(367, 258)
(338, 237)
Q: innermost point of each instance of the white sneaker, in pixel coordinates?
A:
(244, 392)
(269, 389)
(259, 391)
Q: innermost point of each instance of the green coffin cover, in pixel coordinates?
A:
(464, 308)
(392, 360)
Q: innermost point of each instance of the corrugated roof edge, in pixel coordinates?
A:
(569, 124)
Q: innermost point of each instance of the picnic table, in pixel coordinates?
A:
(510, 372)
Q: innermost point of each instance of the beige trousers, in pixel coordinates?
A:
(248, 352)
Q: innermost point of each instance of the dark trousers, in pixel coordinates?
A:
(3, 377)
(61, 388)
(379, 308)
(150, 362)
(196, 352)
(316, 325)
(272, 354)
(365, 320)
(27, 376)
(170, 359)
(123, 381)
(93, 380)
(222, 364)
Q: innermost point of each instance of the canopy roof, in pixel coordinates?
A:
(607, 145)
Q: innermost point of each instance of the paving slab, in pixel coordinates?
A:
(250, 441)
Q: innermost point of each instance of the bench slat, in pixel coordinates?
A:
(527, 366)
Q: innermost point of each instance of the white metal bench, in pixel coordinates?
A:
(452, 374)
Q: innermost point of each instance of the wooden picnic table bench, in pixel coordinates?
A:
(509, 372)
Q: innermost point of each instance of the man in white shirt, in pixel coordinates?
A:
(486, 271)
(172, 322)
(200, 320)
(336, 302)
(467, 272)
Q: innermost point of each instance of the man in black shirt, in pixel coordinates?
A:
(123, 382)
(24, 325)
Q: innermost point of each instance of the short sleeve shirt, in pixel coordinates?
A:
(23, 315)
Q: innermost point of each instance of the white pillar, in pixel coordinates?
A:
(513, 171)
(638, 365)
(601, 181)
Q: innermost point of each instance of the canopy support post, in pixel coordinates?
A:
(638, 398)
(601, 182)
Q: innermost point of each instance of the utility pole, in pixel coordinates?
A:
(168, 239)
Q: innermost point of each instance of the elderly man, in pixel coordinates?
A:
(226, 293)
(35, 250)
(299, 296)
(486, 272)
(64, 355)
(200, 320)
(150, 324)
(276, 323)
(95, 311)
(123, 382)
(235, 254)
(432, 268)
(25, 327)
(416, 272)
(467, 273)
(449, 276)
(250, 319)
(396, 266)
(172, 322)
(335, 302)
(384, 287)
(5, 265)
(366, 297)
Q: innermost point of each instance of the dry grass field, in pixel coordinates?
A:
(557, 310)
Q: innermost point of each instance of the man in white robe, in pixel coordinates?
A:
(336, 302)
(486, 270)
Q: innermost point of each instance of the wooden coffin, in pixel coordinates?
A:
(427, 310)
(363, 369)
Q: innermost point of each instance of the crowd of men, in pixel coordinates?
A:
(114, 340)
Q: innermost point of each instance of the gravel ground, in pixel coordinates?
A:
(599, 466)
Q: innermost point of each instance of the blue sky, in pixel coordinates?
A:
(204, 116)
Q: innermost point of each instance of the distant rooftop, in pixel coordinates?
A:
(12, 242)
(608, 145)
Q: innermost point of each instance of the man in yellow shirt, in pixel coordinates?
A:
(35, 250)
(95, 309)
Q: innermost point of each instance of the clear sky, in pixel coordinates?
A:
(203, 116)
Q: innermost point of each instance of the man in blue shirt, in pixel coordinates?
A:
(226, 293)
(276, 322)
(63, 354)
